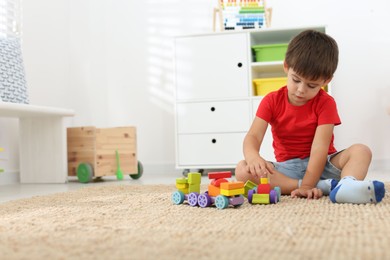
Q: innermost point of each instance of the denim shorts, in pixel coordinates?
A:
(296, 168)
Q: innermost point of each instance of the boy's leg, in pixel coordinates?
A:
(285, 183)
(352, 188)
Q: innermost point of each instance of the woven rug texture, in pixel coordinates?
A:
(140, 222)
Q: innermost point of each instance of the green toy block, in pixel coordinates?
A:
(260, 199)
(194, 188)
(194, 178)
(248, 186)
(181, 180)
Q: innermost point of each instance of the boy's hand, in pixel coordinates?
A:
(310, 193)
(259, 168)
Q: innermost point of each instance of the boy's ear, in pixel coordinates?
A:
(285, 67)
(327, 81)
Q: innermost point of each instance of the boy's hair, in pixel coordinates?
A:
(313, 55)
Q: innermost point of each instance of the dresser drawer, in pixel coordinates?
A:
(210, 149)
(209, 117)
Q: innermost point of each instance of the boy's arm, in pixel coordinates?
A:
(317, 161)
(252, 144)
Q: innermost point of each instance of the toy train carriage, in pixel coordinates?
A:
(98, 152)
(221, 192)
(262, 193)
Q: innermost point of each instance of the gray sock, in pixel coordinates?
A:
(324, 185)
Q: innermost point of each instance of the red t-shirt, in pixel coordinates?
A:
(293, 127)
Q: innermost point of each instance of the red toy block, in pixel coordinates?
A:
(220, 175)
(264, 188)
(217, 182)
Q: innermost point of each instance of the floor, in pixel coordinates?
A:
(19, 191)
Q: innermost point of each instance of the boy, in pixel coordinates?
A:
(302, 116)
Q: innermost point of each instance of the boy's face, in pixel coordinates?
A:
(300, 89)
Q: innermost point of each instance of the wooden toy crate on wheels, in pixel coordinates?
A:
(98, 152)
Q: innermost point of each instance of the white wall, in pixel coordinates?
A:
(111, 61)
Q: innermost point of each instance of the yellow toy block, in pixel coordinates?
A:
(264, 181)
(182, 185)
(213, 191)
(233, 192)
(194, 178)
(232, 185)
(194, 188)
(181, 180)
(260, 199)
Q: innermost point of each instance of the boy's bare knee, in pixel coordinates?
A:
(240, 171)
(361, 150)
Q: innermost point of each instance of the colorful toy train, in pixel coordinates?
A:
(221, 192)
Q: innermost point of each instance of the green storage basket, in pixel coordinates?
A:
(270, 52)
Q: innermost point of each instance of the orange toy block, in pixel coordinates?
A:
(217, 182)
(214, 191)
(220, 175)
(234, 192)
(264, 188)
(232, 185)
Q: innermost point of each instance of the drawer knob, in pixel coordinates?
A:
(212, 109)
(239, 64)
(214, 140)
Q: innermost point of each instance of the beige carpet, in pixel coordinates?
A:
(140, 222)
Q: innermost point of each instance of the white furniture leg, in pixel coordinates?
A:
(42, 145)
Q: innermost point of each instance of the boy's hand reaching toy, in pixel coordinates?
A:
(306, 192)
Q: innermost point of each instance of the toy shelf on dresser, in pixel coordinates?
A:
(216, 98)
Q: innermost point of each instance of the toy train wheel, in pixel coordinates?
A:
(250, 195)
(204, 200)
(193, 199)
(278, 191)
(221, 202)
(178, 197)
(273, 197)
(84, 172)
(140, 169)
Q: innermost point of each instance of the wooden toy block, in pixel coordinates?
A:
(194, 178)
(264, 188)
(217, 182)
(97, 146)
(260, 199)
(220, 175)
(182, 185)
(264, 180)
(194, 188)
(233, 192)
(249, 185)
(213, 190)
(181, 180)
(232, 185)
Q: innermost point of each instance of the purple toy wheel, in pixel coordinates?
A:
(273, 197)
(193, 199)
(250, 195)
(204, 200)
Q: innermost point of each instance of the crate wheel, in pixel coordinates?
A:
(139, 173)
(84, 172)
